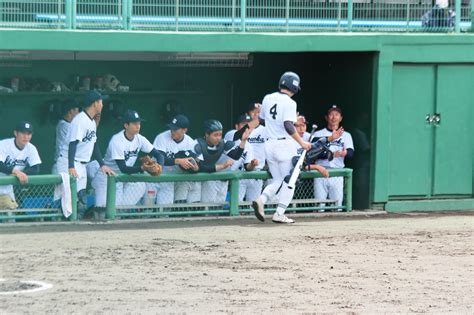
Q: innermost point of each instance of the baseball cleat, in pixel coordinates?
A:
(282, 219)
(257, 206)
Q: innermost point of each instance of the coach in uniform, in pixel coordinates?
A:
(342, 147)
(18, 157)
(177, 148)
(121, 155)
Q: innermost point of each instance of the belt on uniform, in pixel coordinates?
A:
(82, 162)
(283, 138)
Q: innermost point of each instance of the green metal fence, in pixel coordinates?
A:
(303, 200)
(237, 15)
(35, 200)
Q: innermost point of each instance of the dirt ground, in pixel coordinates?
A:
(383, 264)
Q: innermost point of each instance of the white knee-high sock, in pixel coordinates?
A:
(269, 191)
(286, 194)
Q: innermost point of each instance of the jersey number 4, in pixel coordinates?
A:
(273, 111)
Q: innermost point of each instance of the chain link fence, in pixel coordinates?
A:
(223, 193)
(33, 201)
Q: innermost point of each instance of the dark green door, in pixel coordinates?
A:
(411, 138)
(454, 133)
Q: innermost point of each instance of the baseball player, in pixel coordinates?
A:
(18, 157)
(177, 148)
(278, 113)
(82, 146)
(121, 155)
(69, 109)
(209, 150)
(301, 127)
(342, 147)
(248, 188)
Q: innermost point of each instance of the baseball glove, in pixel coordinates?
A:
(150, 166)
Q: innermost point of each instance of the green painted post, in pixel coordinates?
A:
(472, 17)
(111, 195)
(234, 197)
(73, 13)
(243, 13)
(348, 181)
(68, 15)
(350, 14)
(287, 15)
(176, 13)
(73, 184)
(125, 15)
(457, 7)
(233, 15)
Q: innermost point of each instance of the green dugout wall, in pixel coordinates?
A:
(386, 84)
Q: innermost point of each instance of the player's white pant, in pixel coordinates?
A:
(7, 190)
(279, 155)
(214, 191)
(62, 167)
(164, 193)
(187, 191)
(332, 188)
(250, 189)
(126, 194)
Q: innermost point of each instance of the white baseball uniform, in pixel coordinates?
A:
(167, 193)
(332, 187)
(62, 131)
(250, 189)
(277, 108)
(120, 148)
(10, 155)
(83, 129)
(215, 191)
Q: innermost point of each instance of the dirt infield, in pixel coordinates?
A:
(414, 264)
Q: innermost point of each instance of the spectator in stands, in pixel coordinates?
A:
(439, 16)
(18, 157)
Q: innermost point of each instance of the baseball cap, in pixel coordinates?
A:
(68, 104)
(131, 116)
(336, 108)
(179, 121)
(244, 118)
(24, 126)
(92, 96)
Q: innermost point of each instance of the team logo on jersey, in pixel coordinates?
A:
(299, 151)
(90, 134)
(337, 143)
(129, 154)
(10, 162)
(244, 155)
(257, 139)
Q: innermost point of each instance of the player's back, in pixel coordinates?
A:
(277, 108)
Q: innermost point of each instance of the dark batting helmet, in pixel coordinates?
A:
(290, 81)
(212, 125)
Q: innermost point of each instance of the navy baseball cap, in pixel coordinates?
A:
(131, 116)
(336, 108)
(24, 126)
(93, 96)
(244, 118)
(179, 121)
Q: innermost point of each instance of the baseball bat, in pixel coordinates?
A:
(299, 164)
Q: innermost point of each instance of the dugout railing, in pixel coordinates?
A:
(34, 200)
(303, 201)
(235, 15)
